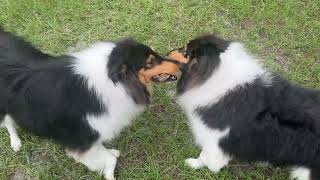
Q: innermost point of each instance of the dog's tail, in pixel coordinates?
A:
(15, 48)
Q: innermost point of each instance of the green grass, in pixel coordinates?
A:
(285, 34)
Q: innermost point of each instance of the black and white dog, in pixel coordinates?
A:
(236, 108)
(80, 100)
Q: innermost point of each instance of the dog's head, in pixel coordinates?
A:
(132, 58)
(201, 57)
(136, 66)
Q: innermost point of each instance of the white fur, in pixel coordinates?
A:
(121, 109)
(99, 159)
(300, 173)
(227, 76)
(11, 127)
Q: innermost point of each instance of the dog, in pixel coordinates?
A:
(236, 108)
(80, 100)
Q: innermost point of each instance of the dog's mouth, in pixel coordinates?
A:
(166, 71)
(178, 58)
(164, 77)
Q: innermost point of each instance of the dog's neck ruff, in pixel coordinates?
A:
(91, 63)
(236, 68)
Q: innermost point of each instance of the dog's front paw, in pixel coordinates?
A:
(109, 173)
(111, 177)
(194, 163)
(115, 152)
(16, 145)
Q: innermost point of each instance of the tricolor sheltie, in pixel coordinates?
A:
(80, 100)
(238, 109)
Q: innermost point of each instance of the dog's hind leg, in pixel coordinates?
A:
(97, 158)
(15, 141)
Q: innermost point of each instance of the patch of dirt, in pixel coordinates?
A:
(172, 172)
(38, 158)
(264, 37)
(158, 109)
(283, 60)
(67, 30)
(247, 24)
(19, 175)
(172, 94)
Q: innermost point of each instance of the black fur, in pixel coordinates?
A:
(42, 93)
(204, 59)
(125, 62)
(51, 101)
(13, 48)
(278, 124)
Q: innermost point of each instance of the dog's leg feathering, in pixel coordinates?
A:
(99, 159)
(15, 141)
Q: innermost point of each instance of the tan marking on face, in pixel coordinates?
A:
(142, 77)
(178, 56)
(166, 67)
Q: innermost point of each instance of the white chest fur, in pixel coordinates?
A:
(121, 109)
(236, 68)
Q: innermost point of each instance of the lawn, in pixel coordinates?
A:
(284, 34)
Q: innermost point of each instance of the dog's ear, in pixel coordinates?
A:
(151, 61)
(117, 72)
